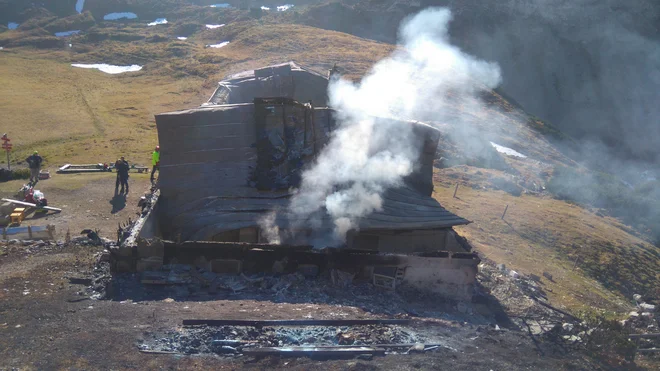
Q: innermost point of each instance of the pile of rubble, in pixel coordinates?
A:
(31, 247)
(520, 295)
(645, 312)
(232, 340)
(181, 282)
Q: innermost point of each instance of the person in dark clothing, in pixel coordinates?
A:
(122, 174)
(34, 162)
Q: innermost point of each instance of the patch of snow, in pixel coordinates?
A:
(108, 68)
(67, 33)
(12, 25)
(223, 5)
(158, 21)
(265, 8)
(115, 16)
(213, 26)
(182, 38)
(507, 151)
(79, 6)
(1, 48)
(284, 8)
(224, 43)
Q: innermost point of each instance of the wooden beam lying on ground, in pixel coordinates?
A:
(643, 336)
(650, 350)
(304, 322)
(23, 203)
(382, 345)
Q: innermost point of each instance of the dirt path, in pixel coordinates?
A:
(86, 200)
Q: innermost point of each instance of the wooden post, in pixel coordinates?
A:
(504, 213)
(455, 190)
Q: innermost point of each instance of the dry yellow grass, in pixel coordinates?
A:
(74, 115)
(541, 234)
(79, 115)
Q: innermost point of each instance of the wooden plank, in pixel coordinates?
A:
(147, 351)
(643, 336)
(31, 205)
(381, 345)
(651, 350)
(303, 322)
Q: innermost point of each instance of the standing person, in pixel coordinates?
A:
(155, 162)
(34, 162)
(122, 174)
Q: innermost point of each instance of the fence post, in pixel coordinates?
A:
(504, 213)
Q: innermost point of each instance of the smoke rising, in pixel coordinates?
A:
(367, 153)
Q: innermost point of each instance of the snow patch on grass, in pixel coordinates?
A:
(223, 5)
(67, 33)
(284, 8)
(182, 38)
(224, 43)
(79, 6)
(507, 151)
(214, 26)
(157, 22)
(108, 68)
(115, 16)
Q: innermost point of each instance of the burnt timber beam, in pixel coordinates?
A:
(304, 322)
(338, 351)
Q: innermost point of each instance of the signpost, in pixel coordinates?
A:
(6, 145)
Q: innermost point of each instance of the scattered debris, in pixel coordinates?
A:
(89, 168)
(248, 340)
(647, 307)
(308, 322)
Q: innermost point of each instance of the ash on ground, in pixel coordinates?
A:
(232, 339)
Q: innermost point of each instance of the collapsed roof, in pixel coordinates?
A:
(282, 80)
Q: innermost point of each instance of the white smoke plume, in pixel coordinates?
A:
(367, 153)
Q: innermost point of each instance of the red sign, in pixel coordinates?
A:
(6, 146)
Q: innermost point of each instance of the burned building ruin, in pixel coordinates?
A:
(236, 158)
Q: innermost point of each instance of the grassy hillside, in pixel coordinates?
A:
(80, 115)
(595, 261)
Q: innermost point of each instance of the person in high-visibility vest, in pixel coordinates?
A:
(155, 162)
